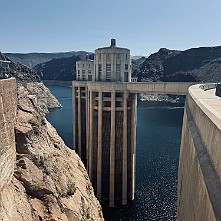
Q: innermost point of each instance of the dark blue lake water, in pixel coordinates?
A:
(159, 127)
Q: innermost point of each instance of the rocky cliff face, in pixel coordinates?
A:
(195, 64)
(29, 80)
(49, 181)
(45, 100)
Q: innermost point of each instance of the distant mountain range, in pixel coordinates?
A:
(193, 65)
(63, 69)
(137, 57)
(22, 73)
(32, 59)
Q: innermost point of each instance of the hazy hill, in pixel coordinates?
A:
(19, 71)
(63, 69)
(196, 64)
(32, 59)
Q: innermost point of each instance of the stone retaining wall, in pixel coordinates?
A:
(8, 107)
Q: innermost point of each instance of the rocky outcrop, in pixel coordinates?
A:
(50, 181)
(51, 173)
(162, 97)
(193, 65)
(38, 91)
(28, 79)
(41, 178)
(152, 68)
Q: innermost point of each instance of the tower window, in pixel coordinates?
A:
(118, 72)
(89, 77)
(126, 57)
(108, 72)
(83, 74)
(108, 67)
(125, 76)
(99, 72)
(118, 67)
(126, 66)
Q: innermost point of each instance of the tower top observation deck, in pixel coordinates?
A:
(112, 63)
(113, 47)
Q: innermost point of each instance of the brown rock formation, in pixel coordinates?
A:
(41, 94)
(50, 181)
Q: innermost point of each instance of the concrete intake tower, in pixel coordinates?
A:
(104, 115)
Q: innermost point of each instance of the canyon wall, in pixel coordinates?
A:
(8, 106)
(40, 177)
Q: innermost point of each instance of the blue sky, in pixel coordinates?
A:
(143, 26)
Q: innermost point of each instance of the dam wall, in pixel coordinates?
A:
(199, 185)
(8, 107)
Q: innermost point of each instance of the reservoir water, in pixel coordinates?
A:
(159, 127)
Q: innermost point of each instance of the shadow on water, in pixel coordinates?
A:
(158, 140)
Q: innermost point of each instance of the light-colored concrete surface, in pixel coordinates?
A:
(124, 161)
(99, 147)
(138, 87)
(85, 70)
(112, 64)
(199, 186)
(112, 150)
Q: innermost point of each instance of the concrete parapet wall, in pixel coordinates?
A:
(8, 104)
(177, 88)
(199, 186)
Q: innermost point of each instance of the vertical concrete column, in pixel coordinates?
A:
(74, 113)
(99, 148)
(79, 121)
(133, 143)
(91, 116)
(124, 163)
(112, 150)
(104, 70)
(113, 67)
